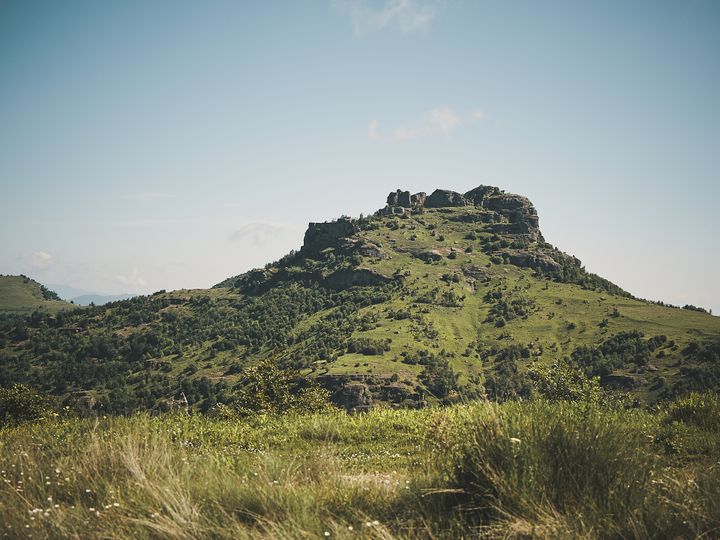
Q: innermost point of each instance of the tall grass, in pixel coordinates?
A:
(522, 470)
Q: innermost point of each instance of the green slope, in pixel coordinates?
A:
(415, 304)
(22, 295)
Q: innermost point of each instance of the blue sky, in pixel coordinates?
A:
(169, 144)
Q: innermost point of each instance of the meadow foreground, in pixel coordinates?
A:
(520, 470)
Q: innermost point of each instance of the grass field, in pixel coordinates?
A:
(517, 470)
(21, 296)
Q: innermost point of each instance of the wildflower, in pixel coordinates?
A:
(350, 527)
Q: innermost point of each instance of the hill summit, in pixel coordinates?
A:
(432, 298)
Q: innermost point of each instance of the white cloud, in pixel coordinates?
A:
(41, 259)
(259, 233)
(407, 15)
(145, 196)
(133, 279)
(440, 121)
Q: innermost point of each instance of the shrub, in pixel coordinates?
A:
(20, 403)
(266, 389)
(563, 381)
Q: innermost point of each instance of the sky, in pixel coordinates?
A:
(171, 144)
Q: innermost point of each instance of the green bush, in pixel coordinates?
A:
(563, 381)
(266, 389)
(20, 403)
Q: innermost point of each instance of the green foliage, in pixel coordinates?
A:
(266, 389)
(368, 346)
(506, 307)
(20, 403)
(439, 378)
(562, 381)
(508, 380)
(616, 351)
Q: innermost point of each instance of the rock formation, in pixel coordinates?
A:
(443, 198)
(513, 214)
(320, 236)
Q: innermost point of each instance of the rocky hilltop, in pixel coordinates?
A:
(505, 213)
(508, 213)
(512, 216)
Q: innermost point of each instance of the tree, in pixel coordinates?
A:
(266, 389)
(562, 381)
(20, 403)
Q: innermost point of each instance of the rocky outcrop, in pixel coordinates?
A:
(513, 214)
(480, 194)
(444, 198)
(400, 198)
(549, 262)
(401, 202)
(359, 393)
(519, 212)
(428, 255)
(320, 236)
(533, 259)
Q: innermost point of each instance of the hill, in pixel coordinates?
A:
(433, 298)
(22, 295)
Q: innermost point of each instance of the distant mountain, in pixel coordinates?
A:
(434, 298)
(21, 295)
(82, 297)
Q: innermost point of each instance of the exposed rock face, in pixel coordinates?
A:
(519, 211)
(548, 262)
(443, 198)
(400, 202)
(400, 198)
(418, 200)
(513, 214)
(320, 236)
(480, 194)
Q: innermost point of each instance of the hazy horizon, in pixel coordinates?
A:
(173, 144)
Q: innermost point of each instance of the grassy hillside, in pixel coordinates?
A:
(22, 295)
(516, 470)
(407, 307)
